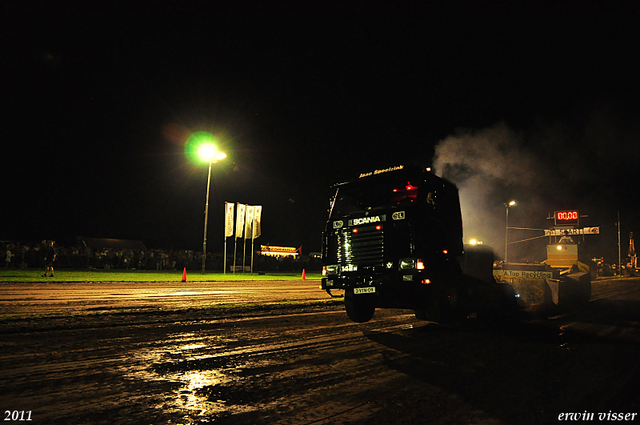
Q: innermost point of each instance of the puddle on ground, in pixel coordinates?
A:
(190, 360)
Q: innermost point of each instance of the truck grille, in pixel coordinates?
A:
(363, 248)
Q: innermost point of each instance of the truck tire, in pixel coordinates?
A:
(444, 304)
(496, 303)
(443, 308)
(360, 309)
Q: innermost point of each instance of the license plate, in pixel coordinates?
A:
(366, 290)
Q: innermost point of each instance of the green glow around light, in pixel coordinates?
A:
(201, 146)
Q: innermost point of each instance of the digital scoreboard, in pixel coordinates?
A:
(566, 218)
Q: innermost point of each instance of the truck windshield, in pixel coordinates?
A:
(376, 192)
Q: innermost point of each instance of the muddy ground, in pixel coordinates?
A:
(306, 363)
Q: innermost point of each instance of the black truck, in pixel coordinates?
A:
(393, 239)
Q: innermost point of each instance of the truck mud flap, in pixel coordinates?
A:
(332, 295)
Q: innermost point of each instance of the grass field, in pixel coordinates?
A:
(142, 276)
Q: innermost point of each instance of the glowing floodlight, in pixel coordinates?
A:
(201, 146)
(207, 152)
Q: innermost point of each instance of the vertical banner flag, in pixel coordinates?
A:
(228, 219)
(240, 220)
(248, 222)
(257, 217)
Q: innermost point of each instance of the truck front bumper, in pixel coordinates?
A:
(406, 290)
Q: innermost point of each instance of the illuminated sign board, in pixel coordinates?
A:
(278, 251)
(566, 217)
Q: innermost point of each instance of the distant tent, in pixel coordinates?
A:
(101, 243)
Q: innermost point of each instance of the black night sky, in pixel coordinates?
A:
(536, 101)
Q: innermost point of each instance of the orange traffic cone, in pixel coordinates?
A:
(304, 277)
(184, 275)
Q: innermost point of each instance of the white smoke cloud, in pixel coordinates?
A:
(550, 167)
(489, 166)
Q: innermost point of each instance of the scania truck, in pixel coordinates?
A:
(393, 239)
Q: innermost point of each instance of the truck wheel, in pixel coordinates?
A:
(496, 303)
(444, 304)
(445, 307)
(359, 308)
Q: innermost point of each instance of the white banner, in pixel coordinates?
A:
(228, 219)
(240, 212)
(248, 224)
(257, 221)
(572, 232)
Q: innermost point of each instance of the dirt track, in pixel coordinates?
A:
(308, 364)
(24, 299)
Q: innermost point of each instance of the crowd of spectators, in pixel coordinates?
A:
(18, 255)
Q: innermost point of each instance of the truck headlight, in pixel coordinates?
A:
(330, 270)
(407, 264)
(411, 264)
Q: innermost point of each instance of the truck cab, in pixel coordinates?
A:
(392, 240)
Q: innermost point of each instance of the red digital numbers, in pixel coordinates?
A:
(567, 216)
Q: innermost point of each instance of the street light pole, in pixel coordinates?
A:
(206, 220)
(506, 229)
(208, 152)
